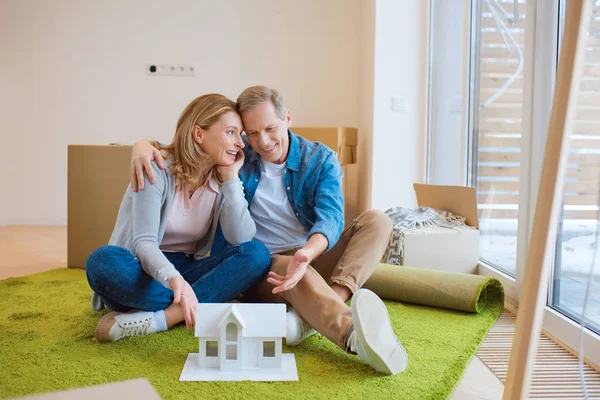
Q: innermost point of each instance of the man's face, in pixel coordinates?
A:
(267, 133)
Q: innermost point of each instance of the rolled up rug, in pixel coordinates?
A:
(454, 291)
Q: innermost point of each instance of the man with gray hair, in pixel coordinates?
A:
(294, 190)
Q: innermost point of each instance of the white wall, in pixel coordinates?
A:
(448, 63)
(73, 71)
(401, 43)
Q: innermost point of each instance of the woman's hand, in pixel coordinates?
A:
(187, 300)
(142, 155)
(231, 172)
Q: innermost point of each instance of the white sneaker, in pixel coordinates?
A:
(373, 338)
(297, 329)
(114, 325)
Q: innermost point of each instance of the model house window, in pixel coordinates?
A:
(212, 348)
(231, 352)
(269, 349)
(231, 341)
(231, 332)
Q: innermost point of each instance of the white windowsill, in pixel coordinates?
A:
(567, 332)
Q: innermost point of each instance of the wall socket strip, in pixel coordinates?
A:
(170, 70)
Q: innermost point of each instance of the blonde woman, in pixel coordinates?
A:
(157, 266)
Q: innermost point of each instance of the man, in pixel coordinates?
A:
(293, 187)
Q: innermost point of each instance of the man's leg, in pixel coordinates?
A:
(355, 330)
(358, 252)
(312, 298)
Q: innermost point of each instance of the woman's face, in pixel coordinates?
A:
(223, 140)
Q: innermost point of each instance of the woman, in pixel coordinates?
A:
(157, 266)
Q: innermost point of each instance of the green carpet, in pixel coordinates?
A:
(47, 344)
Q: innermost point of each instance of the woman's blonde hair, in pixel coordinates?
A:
(191, 164)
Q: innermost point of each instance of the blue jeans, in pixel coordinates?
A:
(116, 275)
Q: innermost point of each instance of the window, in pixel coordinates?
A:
(512, 71)
(269, 349)
(231, 352)
(576, 240)
(496, 108)
(231, 345)
(231, 332)
(212, 348)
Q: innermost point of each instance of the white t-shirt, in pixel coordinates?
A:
(276, 225)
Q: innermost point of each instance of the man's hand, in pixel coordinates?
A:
(295, 271)
(187, 300)
(142, 155)
(230, 172)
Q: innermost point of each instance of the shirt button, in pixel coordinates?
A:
(255, 180)
(296, 214)
(288, 188)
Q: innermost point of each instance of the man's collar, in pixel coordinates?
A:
(293, 159)
(254, 157)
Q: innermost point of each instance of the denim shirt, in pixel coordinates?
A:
(313, 182)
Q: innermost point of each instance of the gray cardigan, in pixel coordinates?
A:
(143, 215)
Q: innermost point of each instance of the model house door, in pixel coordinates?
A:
(250, 350)
(232, 347)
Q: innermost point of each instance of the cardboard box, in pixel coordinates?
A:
(344, 141)
(98, 176)
(97, 179)
(452, 250)
(139, 388)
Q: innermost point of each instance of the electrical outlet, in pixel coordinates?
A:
(170, 69)
(398, 104)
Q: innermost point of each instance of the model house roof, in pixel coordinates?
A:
(233, 310)
(258, 320)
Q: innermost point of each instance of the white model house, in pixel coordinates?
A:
(240, 341)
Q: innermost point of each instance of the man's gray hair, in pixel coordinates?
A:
(255, 95)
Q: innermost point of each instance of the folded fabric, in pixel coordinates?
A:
(407, 218)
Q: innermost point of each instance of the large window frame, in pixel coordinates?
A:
(540, 56)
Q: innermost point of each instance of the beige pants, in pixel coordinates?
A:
(349, 263)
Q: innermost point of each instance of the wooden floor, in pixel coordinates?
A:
(555, 372)
(25, 250)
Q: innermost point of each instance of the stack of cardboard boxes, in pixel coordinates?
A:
(99, 175)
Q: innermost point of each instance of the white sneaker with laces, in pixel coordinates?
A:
(373, 338)
(114, 325)
(297, 329)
